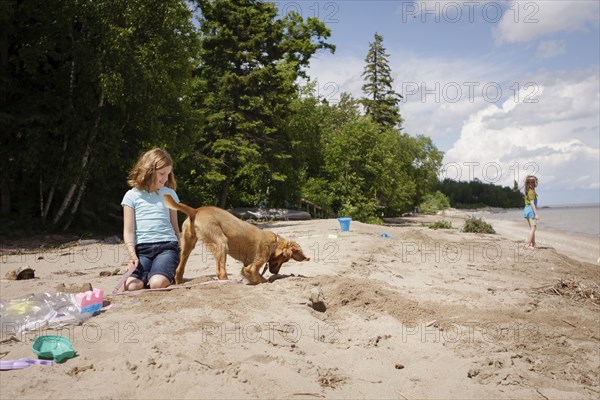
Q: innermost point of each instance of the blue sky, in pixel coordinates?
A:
(504, 88)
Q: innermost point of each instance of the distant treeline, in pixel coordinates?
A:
(476, 194)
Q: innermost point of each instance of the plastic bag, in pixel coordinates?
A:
(37, 311)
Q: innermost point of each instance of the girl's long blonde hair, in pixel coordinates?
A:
(530, 183)
(142, 174)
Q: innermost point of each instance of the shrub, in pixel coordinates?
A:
(443, 224)
(435, 202)
(364, 212)
(315, 191)
(477, 225)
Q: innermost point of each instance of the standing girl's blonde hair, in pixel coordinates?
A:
(530, 184)
(142, 176)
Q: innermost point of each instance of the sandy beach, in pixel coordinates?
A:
(419, 314)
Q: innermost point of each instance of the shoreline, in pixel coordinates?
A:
(581, 247)
(496, 215)
(578, 246)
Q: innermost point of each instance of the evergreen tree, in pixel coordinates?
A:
(250, 61)
(381, 102)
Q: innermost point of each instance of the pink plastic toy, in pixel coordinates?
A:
(90, 301)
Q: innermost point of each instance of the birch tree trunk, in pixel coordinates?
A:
(81, 180)
(46, 208)
(75, 206)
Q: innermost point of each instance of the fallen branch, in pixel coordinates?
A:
(568, 323)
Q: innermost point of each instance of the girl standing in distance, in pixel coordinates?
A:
(530, 212)
(150, 230)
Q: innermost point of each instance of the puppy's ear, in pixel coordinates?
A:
(297, 253)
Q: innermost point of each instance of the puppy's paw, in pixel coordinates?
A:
(244, 277)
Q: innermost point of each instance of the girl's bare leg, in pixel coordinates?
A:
(531, 237)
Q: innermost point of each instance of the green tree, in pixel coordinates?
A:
(366, 167)
(303, 128)
(381, 102)
(250, 61)
(353, 166)
(424, 168)
(87, 85)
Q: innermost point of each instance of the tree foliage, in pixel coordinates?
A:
(357, 168)
(250, 61)
(434, 202)
(86, 85)
(381, 102)
(476, 194)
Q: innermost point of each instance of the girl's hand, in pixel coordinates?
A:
(133, 263)
(537, 218)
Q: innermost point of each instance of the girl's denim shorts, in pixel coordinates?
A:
(156, 258)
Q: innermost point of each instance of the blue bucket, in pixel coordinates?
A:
(345, 224)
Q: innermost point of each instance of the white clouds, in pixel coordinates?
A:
(439, 94)
(557, 137)
(526, 21)
(335, 74)
(551, 48)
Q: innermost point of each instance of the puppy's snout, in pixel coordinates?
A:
(274, 267)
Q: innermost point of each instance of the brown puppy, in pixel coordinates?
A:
(225, 234)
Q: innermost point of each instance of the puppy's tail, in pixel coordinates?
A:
(172, 204)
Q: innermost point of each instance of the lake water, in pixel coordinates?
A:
(582, 219)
